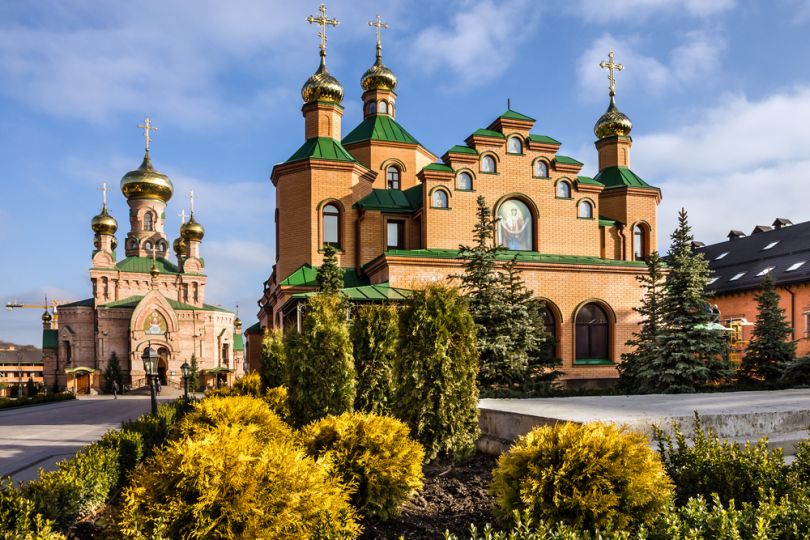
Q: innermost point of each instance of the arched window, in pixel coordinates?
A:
(593, 333)
(514, 145)
(331, 225)
(392, 176)
(148, 222)
(515, 225)
(488, 164)
(133, 244)
(549, 347)
(440, 199)
(148, 245)
(639, 249)
(541, 169)
(372, 107)
(383, 107)
(585, 210)
(162, 246)
(464, 181)
(563, 189)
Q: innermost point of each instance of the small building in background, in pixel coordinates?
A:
(19, 364)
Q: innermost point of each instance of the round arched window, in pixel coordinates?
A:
(148, 245)
(515, 145)
(331, 225)
(372, 107)
(488, 164)
(392, 177)
(148, 222)
(563, 190)
(383, 107)
(638, 242)
(541, 169)
(440, 199)
(515, 227)
(464, 181)
(585, 210)
(593, 333)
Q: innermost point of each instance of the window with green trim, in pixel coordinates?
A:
(514, 145)
(585, 210)
(331, 225)
(440, 199)
(540, 169)
(563, 189)
(488, 164)
(464, 181)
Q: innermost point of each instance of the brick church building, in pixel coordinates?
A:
(397, 212)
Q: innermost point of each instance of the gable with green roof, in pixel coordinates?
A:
(617, 177)
(307, 276)
(379, 128)
(514, 115)
(459, 149)
(323, 148)
(392, 200)
(566, 160)
(488, 133)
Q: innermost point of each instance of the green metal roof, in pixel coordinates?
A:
(525, 256)
(50, 339)
(607, 222)
(544, 139)
(392, 200)
(379, 127)
(514, 115)
(143, 265)
(324, 148)
(588, 180)
(489, 133)
(132, 301)
(459, 149)
(255, 329)
(614, 177)
(438, 167)
(369, 293)
(238, 343)
(565, 160)
(307, 276)
(87, 302)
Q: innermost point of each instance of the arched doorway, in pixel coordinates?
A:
(163, 365)
(593, 334)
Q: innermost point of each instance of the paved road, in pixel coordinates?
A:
(40, 435)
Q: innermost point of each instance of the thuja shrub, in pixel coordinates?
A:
(277, 399)
(249, 384)
(129, 448)
(372, 455)
(154, 430)
(213, 412)
(19, 517)
(375, 338)
(801, 465)
(588, 476)
(229, 483)
(273, 359)
(729, 469)
(797, 373)
(435, 376)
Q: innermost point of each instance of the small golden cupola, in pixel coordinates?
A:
(614, 122)
(179, 247)
(322, 86)
(104, 223)
(378, 76)
(191, 231)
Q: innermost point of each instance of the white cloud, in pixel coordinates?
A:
(696, 57)
(480, 42)
(236, 269)
(600, 11)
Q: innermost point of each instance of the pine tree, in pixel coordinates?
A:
(113, 373)
(637, 369)
(769, 352)
(272, 368)
(375, 337)
(194, 374)
(330, 275)
(693, 354)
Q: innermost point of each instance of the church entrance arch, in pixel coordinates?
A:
(163, 365)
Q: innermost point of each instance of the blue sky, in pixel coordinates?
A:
(719, 93)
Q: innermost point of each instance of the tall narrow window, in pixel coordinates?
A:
(541, 169)
(464, 181)
(585, 210)
(392, 175)
(331, 225)
(563, 190)
(383, 107)
(395, 235)
(593, 333)
(549, 347)
(148, 246)
(148, 222)
(488, 164)
(372, 107)
(514, 146)
(638, 242)
(440, 199)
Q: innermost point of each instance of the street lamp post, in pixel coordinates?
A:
(185, 368)
(150, 358)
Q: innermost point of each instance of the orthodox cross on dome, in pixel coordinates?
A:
(182, 216)
(104, 189)
(322, 21)
(611, 66)
(191, 196)
(147, 127)
(378, 26)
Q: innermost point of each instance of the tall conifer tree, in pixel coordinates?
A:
(769, 351)
(330, 275)
(693, 353)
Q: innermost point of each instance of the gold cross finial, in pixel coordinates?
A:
(104, 189)
(322, 21)
(378, 26)
(182, 216)
(611, 66)
(147, 127)
(191, 198)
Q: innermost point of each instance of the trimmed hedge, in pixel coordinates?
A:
(19, 517)
(35, 400)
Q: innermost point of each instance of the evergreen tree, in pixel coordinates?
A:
(320, 364)
(272, 369)
(435, 374)
(330, 275)
(693, 354)
(637, 369)
(113, 373)
(769, 352)
(375, 336)
(194, 374)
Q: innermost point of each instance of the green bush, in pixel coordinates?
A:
(375, 337)
(154, 430)
(435, 375)
(19, 517)
(229, 483)
(372, 455)
(526, 529)
(797, 373)
(213, 412)
(319, 361)
(588, 476)
(801, 466)
(129, 447)
(35, 400)
(730, 470)
(250, 384)
(273, 368)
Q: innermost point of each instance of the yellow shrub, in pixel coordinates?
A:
(589, 476)
(372, 455)
(228, 483)
(276, 397)
(213, 412)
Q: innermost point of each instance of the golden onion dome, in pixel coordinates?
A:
(179, 246)
(378, 77)
(154, 271)
(191, 230)
(104, 223)
(322, 86)
(47, 317)
(612, 123)
(146, 183)
(237, 322)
